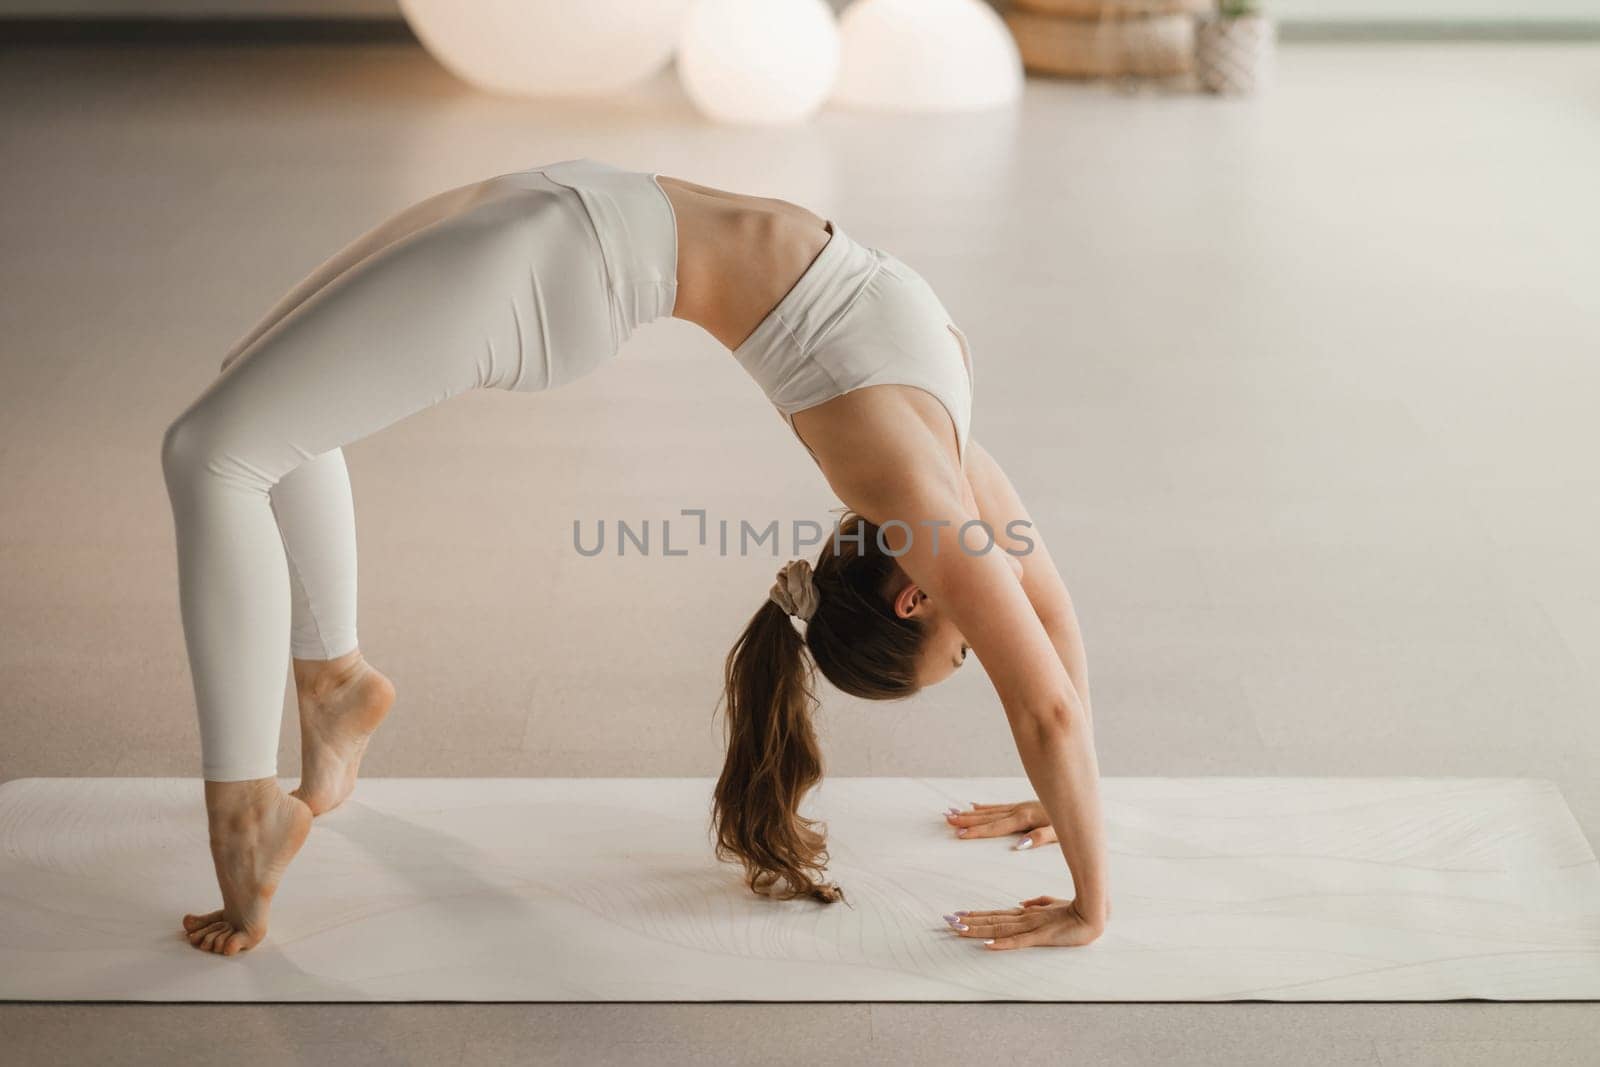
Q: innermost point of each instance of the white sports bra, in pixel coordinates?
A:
(858, 317)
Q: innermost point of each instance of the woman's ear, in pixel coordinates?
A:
(910, 601)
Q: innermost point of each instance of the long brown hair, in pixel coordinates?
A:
(861, 646)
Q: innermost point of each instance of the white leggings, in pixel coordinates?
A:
(523, 282)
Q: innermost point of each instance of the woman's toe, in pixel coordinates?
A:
(191, 923)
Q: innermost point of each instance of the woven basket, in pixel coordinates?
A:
(1234, 55)
(1114, 9)
(1155, 46)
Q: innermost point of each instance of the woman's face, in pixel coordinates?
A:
(945, 649)
(943, 652)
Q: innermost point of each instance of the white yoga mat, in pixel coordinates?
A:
(605, 889)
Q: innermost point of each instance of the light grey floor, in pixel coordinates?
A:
(1302, 390)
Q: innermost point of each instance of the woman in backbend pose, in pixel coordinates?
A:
(530, 280)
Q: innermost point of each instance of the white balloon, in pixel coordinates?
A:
(926, 55)
(548, 47)
(758, 61)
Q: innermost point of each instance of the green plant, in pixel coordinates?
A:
(1238, 9)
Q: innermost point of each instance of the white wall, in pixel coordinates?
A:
(1443, 10)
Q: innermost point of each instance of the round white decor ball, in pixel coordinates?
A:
(548, 47)
(926, 55)
(758, 61)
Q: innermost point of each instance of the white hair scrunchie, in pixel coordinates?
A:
(794, 591)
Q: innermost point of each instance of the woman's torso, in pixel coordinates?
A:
(817, 318)
(737, 255)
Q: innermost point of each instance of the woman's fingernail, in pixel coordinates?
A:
(951, 919)
(952, 811)
(959, 926)
(989, 942)
(963, 913)
(961, 833)
(1026, 842)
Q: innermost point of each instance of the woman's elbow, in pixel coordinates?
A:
(1054, 718)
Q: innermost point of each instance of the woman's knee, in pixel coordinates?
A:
(192, 447)
(181, 448)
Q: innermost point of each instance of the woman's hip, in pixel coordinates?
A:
(498, 284)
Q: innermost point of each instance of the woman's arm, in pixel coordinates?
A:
(1048, 716)
(1000, 506)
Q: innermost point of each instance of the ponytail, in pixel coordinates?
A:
(856, 641)
(773, 761)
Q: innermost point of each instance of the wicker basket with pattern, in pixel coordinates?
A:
(1157, 45)
(1114, 9)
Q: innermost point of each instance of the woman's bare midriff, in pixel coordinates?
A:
(737, 256)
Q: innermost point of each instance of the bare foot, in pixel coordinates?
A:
(342, 702)
(256, 829)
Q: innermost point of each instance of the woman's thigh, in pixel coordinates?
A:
(428, 212)
(508, 292)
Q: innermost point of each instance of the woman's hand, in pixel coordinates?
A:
(995, 820)
(1040, 921)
